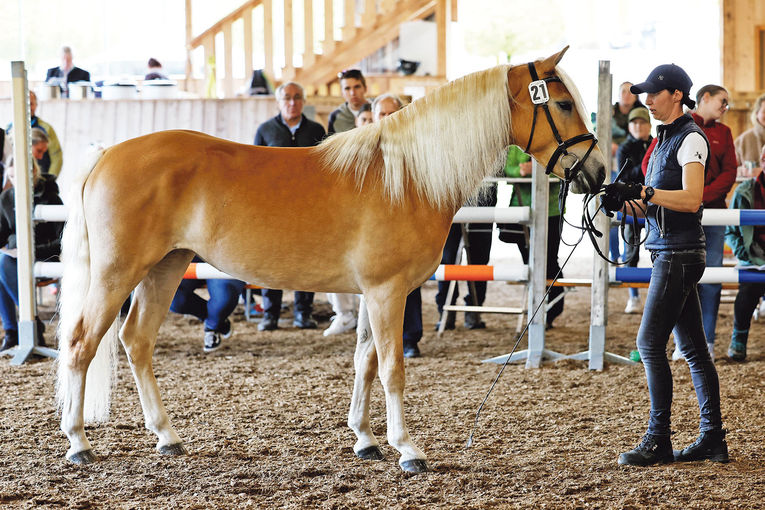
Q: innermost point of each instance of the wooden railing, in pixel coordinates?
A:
(374, 25)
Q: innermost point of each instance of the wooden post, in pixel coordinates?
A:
(329, 29)
(454, 9)
(247, 20)
(370, 14)
(23, 203)
(599, 308)
(349, 17)
(441, 25)
(189, 68)
(289, 46)
(309, 56)
(268, 37)
(537, 264)
(228, 53)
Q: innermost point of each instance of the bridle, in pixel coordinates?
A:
(570, 170)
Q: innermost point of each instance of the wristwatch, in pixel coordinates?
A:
(649, 191)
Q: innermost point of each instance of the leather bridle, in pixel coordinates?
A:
(570, 171)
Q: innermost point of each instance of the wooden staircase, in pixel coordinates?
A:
(364, 26)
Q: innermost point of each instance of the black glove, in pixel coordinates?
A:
(611, 202)
(624, 190)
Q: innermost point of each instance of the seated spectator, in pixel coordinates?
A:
(631, 153)
(39, 148)
(47, 239)
(214, 313)
(748, 245)
(52, 159)
(365, 115)
(155, 71)
(66, 73)
(518, 164)
(290, 128)
(749, 142)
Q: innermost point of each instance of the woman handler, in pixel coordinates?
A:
(673, 195)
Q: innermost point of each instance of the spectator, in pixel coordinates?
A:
(66, 73)
(518, 164)
(40, 144)
(290, 128)
(620, 116)
(353, 87)
(748, 245)
(365, 115)
(720, 174)
(630, 153)
(47, 239)
(6, 151)
(749, 142)
(383, 106)
(52, 159)
(155, 71)
(214, 313)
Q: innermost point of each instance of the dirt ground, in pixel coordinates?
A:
(264, 422)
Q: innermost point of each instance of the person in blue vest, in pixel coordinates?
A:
(672, 194)
(290, 128)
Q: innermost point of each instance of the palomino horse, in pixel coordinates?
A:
(367, 211)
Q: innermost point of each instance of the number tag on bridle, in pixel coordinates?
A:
(538, 92)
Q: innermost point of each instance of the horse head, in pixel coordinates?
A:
(550, 123)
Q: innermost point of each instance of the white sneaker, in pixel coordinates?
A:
(341, 324)
(711, 348)
(633, 305)
(677, 355)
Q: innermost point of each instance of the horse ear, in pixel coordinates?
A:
(552, 61)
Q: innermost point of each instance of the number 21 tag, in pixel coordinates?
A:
(538, 92)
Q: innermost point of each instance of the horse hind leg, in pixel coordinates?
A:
(151, 300)
(365, 363)
(386, 316)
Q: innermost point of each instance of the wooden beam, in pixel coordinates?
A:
(228, 53)
(268, 37)
(309, 56)
(370, 14)
(229, 18)
(189, 68)
(329, 29)
(441, 25)
(209, 48)
(386, 6)
(289, 49)
(247, 20)
(453, 9)
(349, 19)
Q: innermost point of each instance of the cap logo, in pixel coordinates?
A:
(661, 77)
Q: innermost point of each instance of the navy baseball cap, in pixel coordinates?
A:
(667, 76)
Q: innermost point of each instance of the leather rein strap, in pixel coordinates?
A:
(572, 170)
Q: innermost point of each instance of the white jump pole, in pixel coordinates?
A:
(23, 204)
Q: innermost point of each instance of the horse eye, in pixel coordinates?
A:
(565, 105)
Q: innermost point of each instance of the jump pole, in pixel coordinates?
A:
(24, 233)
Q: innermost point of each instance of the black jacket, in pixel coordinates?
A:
(47, 234)
(75, 74)
(635, 150)
(274, 133)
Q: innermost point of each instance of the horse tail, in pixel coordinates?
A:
(75, 256)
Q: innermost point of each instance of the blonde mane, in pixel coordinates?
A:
(443, 144)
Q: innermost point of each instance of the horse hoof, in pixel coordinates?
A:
(174, 450)
(415, 466)
(370, 453)
(83, 457)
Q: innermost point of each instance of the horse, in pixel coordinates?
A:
(366, 211)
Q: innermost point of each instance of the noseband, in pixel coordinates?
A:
(570, 170)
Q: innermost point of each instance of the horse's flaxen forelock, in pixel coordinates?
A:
(443, 144)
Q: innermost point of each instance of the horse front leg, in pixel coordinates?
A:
(386, 317)
(365, 364)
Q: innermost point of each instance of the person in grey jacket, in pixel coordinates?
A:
(353, 86)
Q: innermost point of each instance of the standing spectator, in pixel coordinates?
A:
(365, 116)
(673, 195)
(214, 313)
(52, 159)
(383, 106)
(353, 86)
(66, 73)
(518, 164)
(748, 245)
(631, 153)
(749, 143)
(290, 128)
(718, 180)
(155, 71)
(47, 239)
